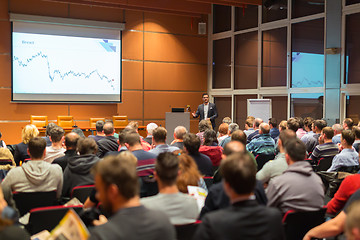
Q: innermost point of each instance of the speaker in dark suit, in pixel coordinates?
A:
(206, 108)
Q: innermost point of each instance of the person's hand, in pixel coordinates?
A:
(307, 237)
(102, 220)
(194, 114)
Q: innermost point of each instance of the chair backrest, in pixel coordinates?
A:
(39, 121)
(348, 169)
(120, 121)
(94, 120)
(5, 161)
(186, 231)
(47, 218)
(65, 121)
(82, 192)
(261, 159)
(324, 163)
(209, 181)
(25, 201)
(297, 224)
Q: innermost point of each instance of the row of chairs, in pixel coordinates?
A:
(68, 121)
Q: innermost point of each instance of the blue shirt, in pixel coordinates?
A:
(307, 136)
(274, 133)
(252, 135)
(336, 139)
(225, 141)
(346, 158)
(263, 144)
(163, 148)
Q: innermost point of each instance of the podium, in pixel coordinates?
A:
(174, 119)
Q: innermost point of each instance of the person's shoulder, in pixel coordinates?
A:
(203, 156)
(148, 201)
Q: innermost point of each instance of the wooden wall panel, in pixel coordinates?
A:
(5, 70)
(85, 111)
(4, 14)
(156, 104)
(39, 7)
(96, 13)
(132, 75)
(134, 20)
(175, 48)
(132, 45)
(132, 105)
(11, 131)
(5, 37)
(172, 76)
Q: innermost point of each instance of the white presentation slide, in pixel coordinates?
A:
(53, 66)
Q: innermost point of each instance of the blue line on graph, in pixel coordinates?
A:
(62, 76)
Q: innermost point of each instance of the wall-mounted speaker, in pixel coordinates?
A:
(202, 28)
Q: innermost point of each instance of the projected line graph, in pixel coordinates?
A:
(62, 75)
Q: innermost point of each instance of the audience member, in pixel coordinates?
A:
(274, 131)
(326, 148)
(356, 144)
(159, 141)
(298, 188)
(121, 142)
(189, 174)
(338, 128)
(211, 148)
(223, 132)
(240, 136)
(71, 140)
(348, 157)
(179, 133)
(149, 129)
(79, 132)
(109, 142)
(203, 126)
(312, 142)
(227, 120)
(308, 122)
(5, 154)
(249, 124)
(47, 133)
(245, 218)
(99, 125)
(232, 128)
(293, 124)
(348, 123)
(179, 207)
(277, 166)
(35, 175)
(263, 144)
(352, 222)
(20, 154)
(300, 132)
(117, 185)
(135, 126)
(56, 149)
(2, 142)
(77, 172)
(191, 146)
(256, 126)
(282, 127)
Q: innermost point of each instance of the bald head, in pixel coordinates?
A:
(233, 147)
(71, 140)
(257, 123)
(264, 128)
(108, 128)
(338, 128)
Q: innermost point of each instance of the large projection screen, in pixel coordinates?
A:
(63, 62)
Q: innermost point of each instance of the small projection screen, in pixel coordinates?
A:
(66, 62)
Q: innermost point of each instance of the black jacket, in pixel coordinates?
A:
(78, 172)
(63, 161)
(107, 144)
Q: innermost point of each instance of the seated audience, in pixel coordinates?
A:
(20, 154)
(191, 146)
(179, 207)
(326, 147)
(348, 124)
(118, 190)
(338, 128)
(308, 122)
(223, 132)
(356, 144)
(211, 148)
(348, 157)
(35, 175)
(240, 136)
(2, 143)
(71, 140)
(109, 142)
(189, 174)
(179, 133)
(245, 218)
(78, 170)
(56, 149)
(149, 129)
(121, 141)
(293, 124)
(159, 140)
(277, 166)
(299, 188)
(232, 128)
(79, 132)
(274, 131)
(312, 142)
(249, 124)
(263, 144)
(256, 126)
(203, 126)
(227, 120)
(135, 126)
(5, 154)
(300, 132)
(99, 125)
(47, 133)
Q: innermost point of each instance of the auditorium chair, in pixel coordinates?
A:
(65, 121)
(6, 161)
(94, 120)
(39, 121)
(186, 231)
(47, 218)
(209, 181)
(324, 164)
(297, 224)
(261, 159)
(120, 121)
(82, 192)
(25, 201)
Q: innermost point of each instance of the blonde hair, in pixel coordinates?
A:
(29, 131)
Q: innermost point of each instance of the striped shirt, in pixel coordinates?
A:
(146, 162)
(328, 149)
(263, 144)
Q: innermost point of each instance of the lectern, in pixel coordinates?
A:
(174, 119)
